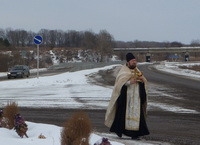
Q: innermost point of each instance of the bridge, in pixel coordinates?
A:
(161, 50)
(158, 54)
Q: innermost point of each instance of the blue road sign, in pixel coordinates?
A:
(38, 39)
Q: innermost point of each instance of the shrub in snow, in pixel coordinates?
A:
(41, 136)
(3, 120)
(9, 112)
(76, 130)
(20, 125)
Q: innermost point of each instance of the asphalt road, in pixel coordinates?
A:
(176, 128)
(186, 88)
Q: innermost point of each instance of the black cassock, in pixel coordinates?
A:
(118, 125)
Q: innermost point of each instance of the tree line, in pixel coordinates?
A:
(103, 41)
(19, 41)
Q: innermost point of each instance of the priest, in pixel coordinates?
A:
(127, 110)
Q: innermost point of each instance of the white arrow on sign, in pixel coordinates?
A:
(38, 40)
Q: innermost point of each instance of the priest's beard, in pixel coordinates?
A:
(132, 66)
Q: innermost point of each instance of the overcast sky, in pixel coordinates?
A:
(126, 20)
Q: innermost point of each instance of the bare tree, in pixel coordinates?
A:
(30, 37)
(176, 44)
(45, 36)
(89, 40)
(105, 43)
(13, 37)
(60, 38)
(74, 38)
(195, 42)
(2, 34)
(23, 37)
(52, 38)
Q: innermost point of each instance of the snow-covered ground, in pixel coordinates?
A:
(51, 133)
(173, 67)
(62, 91)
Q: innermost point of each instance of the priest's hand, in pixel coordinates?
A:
(133, 81)
(141, 79)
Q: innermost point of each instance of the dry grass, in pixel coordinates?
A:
(76, 130)
(9, 112)
(195, 67)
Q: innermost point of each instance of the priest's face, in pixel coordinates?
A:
(132, 63)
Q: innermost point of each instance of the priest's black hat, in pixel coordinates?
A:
(129, 56)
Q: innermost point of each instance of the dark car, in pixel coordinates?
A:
(19, 71)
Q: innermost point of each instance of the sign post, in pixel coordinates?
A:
(38, 41)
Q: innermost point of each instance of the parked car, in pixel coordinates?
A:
(18, 71)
